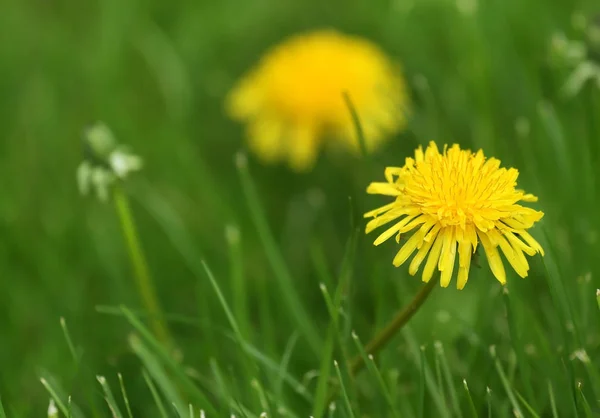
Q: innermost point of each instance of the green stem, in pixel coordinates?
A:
(140, 266)
(392, 328)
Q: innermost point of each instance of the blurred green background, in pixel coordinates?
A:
(157, 72)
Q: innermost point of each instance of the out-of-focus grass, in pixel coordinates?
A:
(157, 72)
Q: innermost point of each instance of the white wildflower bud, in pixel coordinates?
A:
(100, 140)
(52, 410)
(105, 161)
(123, 163)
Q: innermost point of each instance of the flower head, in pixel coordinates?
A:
(294, 99)
(451, 201)
(105, 161)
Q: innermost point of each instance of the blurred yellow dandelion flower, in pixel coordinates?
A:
(451, 200)
(293, 100)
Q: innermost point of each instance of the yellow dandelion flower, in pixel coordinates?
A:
(454, 200)
(293, 100)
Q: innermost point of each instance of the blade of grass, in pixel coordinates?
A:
(584, 402)
(505, 382)
(238, 279)
(472, 408)
(489, 401)
(109, 398)
(527, 406)
(248, 364)
(59, 403)
(157, 372)
(374, 371)
(155, 395)
(283, 367)
(324, 373)
(427, 375)
(360, 133)
(2, 413)
(334, 307)
(439, 353)
(518, 344)
(552, 400)
(124, 394)
(343, 389)
(183, 378)
(278, 265)
(67, 335)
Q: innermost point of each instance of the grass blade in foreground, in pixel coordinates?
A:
(157, 372)
(155, 395)
(372, 368)
(343, 388)
(472, 408)
(110, 399)
(282, 273)
(2, 413)
(175, 368)
(125, 397)
(506, 383)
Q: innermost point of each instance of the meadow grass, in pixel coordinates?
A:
(267, 283)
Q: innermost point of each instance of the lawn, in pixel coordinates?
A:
(267, 283)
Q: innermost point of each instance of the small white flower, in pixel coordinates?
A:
(123, 163)
(52, 411)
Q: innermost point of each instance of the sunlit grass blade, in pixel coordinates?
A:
(157, 372)
(59, 402)
(280, 269)
(374, 371)
(472, 409)
(155, 395)
(345, 397)
(505, 382)
(125, 397)
(262, 396)
(527, 406)
(441, 356)
(175, 368)
(598, 297)
(67, 335)
(584, 402)
(360, 133)
(109, 398)
(284, 364)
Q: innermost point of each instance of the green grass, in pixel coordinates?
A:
(262, 276)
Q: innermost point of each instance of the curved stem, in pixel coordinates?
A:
(140, 266)
(392, 328)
